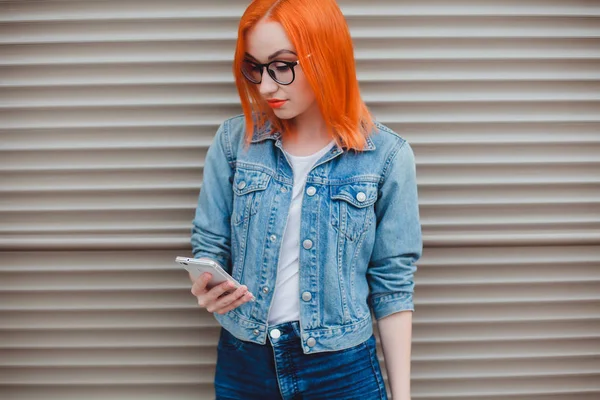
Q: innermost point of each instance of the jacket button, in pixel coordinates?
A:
(241, 185)
(311, 342)
(361, 197)
(306, 296)
(256, 332)
(311, 191)
(283, 189)
(307, 244)
(265, 290)
(273, 238)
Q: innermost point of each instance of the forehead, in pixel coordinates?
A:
(266, 38)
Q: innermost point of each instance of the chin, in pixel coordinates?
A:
(284, 114)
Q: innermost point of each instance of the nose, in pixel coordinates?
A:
(267, 84)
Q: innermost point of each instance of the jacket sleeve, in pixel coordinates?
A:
(398, 241)
(211, 230)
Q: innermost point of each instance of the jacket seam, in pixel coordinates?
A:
(228, 147)
(373, 358)
(391, 159)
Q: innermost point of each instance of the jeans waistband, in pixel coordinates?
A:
(284, 331)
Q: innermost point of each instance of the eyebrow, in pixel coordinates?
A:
(272, 56)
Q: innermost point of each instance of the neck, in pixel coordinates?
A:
(311, 133)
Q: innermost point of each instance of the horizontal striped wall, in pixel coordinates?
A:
(107, 109)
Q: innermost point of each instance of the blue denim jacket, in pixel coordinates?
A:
(360, 232)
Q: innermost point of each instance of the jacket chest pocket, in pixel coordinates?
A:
(248, 188)
(352, 210)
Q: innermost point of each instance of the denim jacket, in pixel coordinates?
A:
(360, 232)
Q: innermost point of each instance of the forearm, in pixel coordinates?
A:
(395, 332)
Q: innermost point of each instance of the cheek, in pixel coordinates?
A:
(303, 92)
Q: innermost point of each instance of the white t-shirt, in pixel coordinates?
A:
(286, 298)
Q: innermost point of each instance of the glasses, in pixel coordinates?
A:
(281, 72)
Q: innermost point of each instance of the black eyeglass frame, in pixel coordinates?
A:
(290, 64)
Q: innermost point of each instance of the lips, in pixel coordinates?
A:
(276, 103)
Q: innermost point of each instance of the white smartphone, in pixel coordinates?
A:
(197, 267)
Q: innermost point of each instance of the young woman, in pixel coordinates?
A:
(312, 206)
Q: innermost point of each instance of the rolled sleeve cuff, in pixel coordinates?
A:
(387, 304)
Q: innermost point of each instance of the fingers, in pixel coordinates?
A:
(246, 297)
(216, 292)
(217, 299)
(199, 286)
(227, 300)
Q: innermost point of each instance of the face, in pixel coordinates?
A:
(267, 42)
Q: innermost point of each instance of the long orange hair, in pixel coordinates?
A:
(316, 28)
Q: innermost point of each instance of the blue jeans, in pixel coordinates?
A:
(280, 370)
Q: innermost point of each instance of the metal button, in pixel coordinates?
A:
(273, 238)
(306, 296)
(311, 342)
(307, 244)
(361, 197)
(256, 332)
(265, 290)
(283, 189)
(241, 185)
(275, 333)
(311, 191)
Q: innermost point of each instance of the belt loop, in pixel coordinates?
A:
(296, 327)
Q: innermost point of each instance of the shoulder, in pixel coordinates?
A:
(385, 138)
(387, 142)
(393, 148)
(233, 128)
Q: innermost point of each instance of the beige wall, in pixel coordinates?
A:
(106, 112)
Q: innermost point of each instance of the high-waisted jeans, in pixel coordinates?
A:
(280, 369)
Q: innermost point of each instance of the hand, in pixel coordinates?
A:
(214, 300)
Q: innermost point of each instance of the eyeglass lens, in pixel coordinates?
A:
(279, 71)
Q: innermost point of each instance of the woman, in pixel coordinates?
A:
(312, 206)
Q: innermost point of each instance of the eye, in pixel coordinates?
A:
(281, 67)
(250, 66)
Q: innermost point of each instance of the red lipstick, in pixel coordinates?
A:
(276, 103)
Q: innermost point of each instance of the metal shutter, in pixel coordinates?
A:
(106, 112)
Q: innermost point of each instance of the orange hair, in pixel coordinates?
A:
(316, 28)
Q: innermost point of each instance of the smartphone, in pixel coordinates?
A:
(197, 267)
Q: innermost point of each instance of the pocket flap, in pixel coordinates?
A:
(247, 180)
(359, 194)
